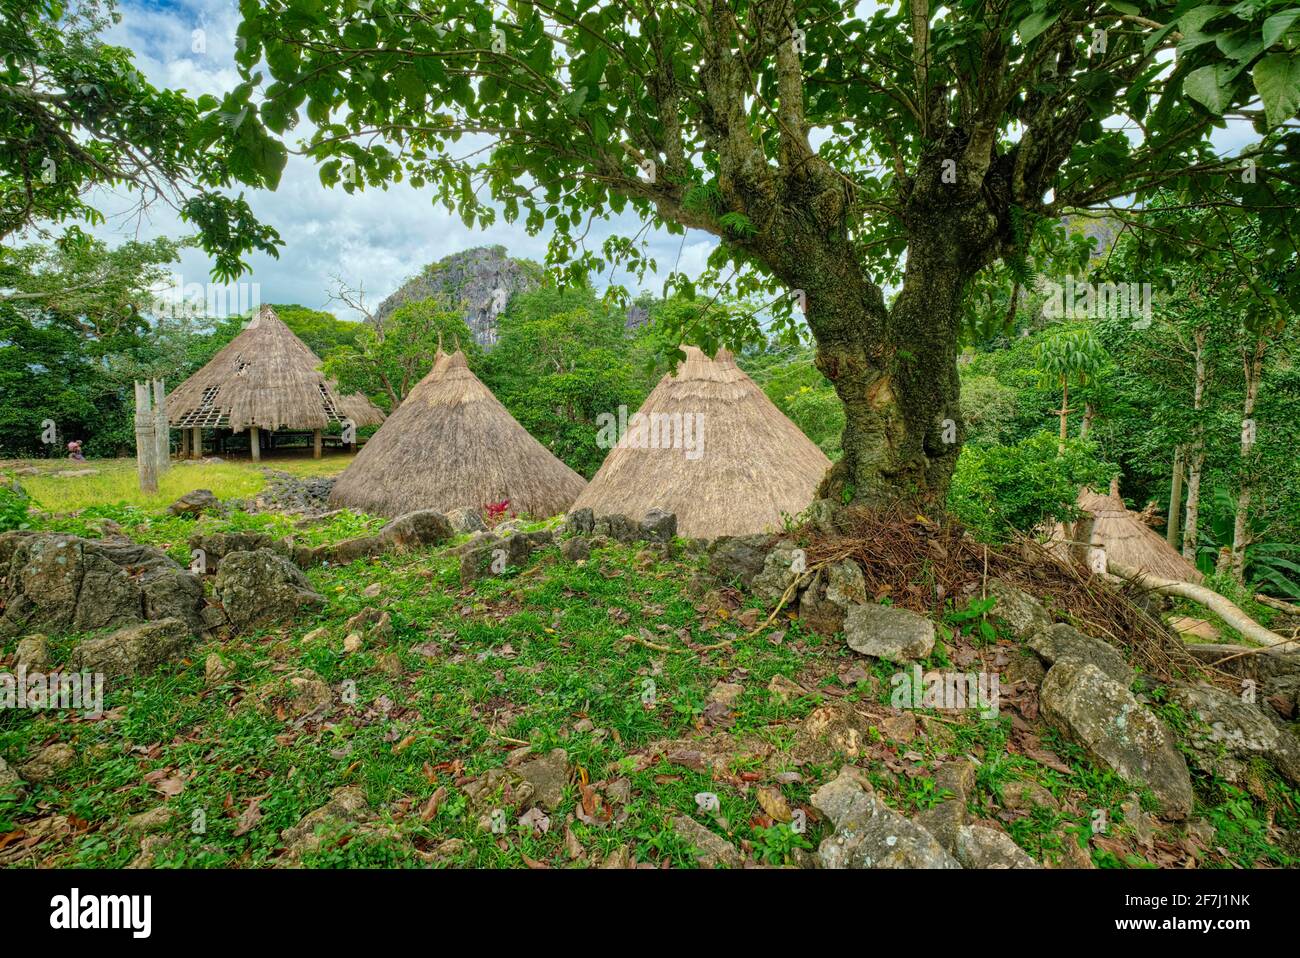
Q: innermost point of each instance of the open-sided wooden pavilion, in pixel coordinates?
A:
(266, 379)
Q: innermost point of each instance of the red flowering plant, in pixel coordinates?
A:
(495, 512)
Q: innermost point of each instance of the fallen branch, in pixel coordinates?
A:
(1278, 604)
(1216, 603)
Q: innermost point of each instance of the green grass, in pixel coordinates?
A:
(521, 657)
(117, 484)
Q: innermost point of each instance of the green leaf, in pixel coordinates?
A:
(1210, 86)
(1036, 23)
(1278, 24)
(1277, 80)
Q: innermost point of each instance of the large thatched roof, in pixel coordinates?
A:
(451, 445)
(750, 464)
(1108, 525)
(265, 377)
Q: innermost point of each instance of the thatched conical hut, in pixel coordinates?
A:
(452, 445)
(709, 445)
(1108, 526)
(264, 379)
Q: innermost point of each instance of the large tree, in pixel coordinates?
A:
(835, 154)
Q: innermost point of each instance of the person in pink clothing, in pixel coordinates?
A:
(74, 451)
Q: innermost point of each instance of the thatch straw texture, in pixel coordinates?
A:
(451, 445)
(265, 377)
(1107, 524)
(750, 463)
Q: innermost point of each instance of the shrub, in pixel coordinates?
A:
(15, 507)
(998, 490)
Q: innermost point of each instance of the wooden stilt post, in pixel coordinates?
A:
(162, 429)
(315, 444)
(255, 443)
(146, 441)
(196, 442)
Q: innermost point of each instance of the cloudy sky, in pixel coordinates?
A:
(379, 237)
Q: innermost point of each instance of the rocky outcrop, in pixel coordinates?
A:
(1274, 675)
(11, 785)
(407, 533)
(66, 584)
(1232, 733)
(134, 650)
(1020, 610)
(738, 558)
(49, 763)
(215, 546)
(547, 774)
(1101, 715)
(480, 281)
(1064, 643)
(465, 521)
(709, 849)
(658, 526)
(829, 595)
(261, 587)
(346, 808)
(297, 495)
(979, 846)
(782, 568)
(579, 522)
(575, 548)
(488, 555)
(195, 503)
(33, 653)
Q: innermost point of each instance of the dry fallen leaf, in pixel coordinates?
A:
(774, 803)
(434, 803)
(249, 818)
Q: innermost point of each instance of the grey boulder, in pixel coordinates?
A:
(870, 834)
(1102, 716)
(134, 650)
(887, 632)
(261, 587)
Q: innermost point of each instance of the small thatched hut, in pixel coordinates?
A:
(264, 380)
(452, 445)
(708, 445)
(1108, 526)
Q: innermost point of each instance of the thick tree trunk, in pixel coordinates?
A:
(897, 377)
(894, 368)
